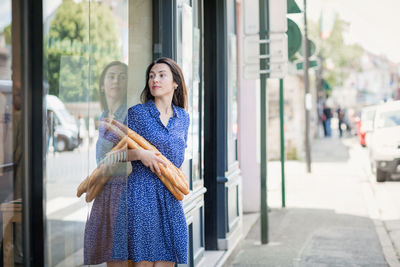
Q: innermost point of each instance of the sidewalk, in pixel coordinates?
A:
(327, 221)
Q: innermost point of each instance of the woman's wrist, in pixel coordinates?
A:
(135, 154)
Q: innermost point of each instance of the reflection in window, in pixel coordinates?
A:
(10, 137)
(80, 39)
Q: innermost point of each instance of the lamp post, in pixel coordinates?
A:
(307, 100)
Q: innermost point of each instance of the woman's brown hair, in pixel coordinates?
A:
(180, 94)
(102, 95)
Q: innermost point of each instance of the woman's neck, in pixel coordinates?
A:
(112, 107)
(164, 105)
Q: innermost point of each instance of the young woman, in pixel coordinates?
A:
(99, 230)
(151, 227)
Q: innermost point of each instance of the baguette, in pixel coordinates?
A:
(171, 176)
(175, 175)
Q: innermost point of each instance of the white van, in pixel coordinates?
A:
(61, 125)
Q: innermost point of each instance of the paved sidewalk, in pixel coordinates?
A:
(327, 221)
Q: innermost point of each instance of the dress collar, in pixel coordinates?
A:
(155, 112)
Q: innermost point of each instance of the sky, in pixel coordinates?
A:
(374, 24)
(5, 13)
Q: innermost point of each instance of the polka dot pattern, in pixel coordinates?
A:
(151, 224)
(99, 229)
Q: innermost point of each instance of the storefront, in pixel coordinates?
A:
(51, 102)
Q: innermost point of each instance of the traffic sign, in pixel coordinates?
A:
(276, 70)
(277, 44)
(313, 63)
(294, 38)
(292, 7)
(311, 48)
(277, 48)
(277, 16)
(251, 17)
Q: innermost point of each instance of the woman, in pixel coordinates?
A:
(151, 228)
(99, 230)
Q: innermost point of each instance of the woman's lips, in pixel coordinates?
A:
(156, 87)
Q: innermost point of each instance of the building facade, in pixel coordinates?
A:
(52, 54)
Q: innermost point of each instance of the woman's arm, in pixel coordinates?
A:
(134, 154)
(149, 158)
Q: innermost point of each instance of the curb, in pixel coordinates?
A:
(387, 245)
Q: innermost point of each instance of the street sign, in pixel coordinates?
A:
(277, 59)
(292, 7)
(277, 48)
(251, 17)
(312, 64)
(311, 48)
(276, 70)
(294, 38)
(277, 16)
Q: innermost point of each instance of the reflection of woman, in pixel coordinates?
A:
(151, 228)
(99, 228)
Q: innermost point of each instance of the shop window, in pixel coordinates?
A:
(10, 136)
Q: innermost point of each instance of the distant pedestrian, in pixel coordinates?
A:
(340, 115)
(326, 120)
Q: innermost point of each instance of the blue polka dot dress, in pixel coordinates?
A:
(151, 224)
(100, 226)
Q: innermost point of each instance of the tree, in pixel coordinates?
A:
(7, 34)
(81, 40)
(337, 57)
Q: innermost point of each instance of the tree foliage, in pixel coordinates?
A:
(338, 57)
(80, 41)
(7, 34)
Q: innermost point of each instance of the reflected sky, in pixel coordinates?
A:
(5, 14)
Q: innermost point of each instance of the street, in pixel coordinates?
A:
(336, 216)
(67, 214)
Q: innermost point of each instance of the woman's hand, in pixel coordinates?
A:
(149, 159)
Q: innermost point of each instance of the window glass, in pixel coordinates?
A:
(232, 84)
(86, 80)
(10, 135)
(232, 100)
(189, 58)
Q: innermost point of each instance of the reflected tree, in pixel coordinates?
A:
(81, 39)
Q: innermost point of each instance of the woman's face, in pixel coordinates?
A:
(161, 81)
(115, 83)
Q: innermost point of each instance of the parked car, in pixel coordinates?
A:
(61, 125)
(365, 124)
(384, 145)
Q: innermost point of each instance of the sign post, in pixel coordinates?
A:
(294, 43)
(266, 56)
(263, 99)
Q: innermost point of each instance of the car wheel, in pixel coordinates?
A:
(61, 144)
(380, 175)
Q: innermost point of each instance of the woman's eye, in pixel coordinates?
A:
(162, 75)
